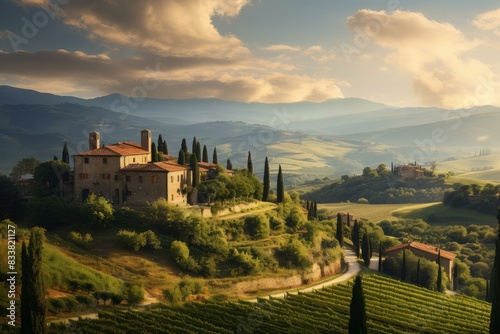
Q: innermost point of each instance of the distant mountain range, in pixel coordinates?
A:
(310, 140)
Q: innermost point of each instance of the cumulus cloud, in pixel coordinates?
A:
(434, 52)
(62, 71)
(489, 21)
(280, 47)
(313, 49)
(177, 39)
(172, 27)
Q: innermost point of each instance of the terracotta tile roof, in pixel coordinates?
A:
(118, 149)
(423, 247)
(154, 167)
(207, 166)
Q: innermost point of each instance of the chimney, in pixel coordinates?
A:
(146, 140)
(94, 140)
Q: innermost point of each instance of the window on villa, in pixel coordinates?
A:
(84, 176)
(140, 178)
(178, 178)
(86, 160)
(172, 179)
(104, 160)
(117, 177)
(127, 178)
(172, 197)
(133, 159)
(153, 179)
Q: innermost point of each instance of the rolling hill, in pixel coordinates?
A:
(310, 140)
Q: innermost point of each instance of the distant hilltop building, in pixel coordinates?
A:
(124, 174)
(428, 252)
(409, 172)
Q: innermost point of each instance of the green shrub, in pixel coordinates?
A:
(152, 241)
(257, 226)
(182, 291)
(82, 241)
(98, 211)
(180, 252)
(133, 293)
(294, 255)
(131, 239)
(243, 263)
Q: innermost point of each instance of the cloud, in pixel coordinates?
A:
(62, 71)
(489, 21)
(313, 49)
(177, 39)
(280, 47)
(435, 53)
(171, 27)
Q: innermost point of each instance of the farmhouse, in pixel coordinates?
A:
(124, 174)
(428, 252)
(409, 172)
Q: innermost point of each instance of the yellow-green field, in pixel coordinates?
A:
(372, 212)
(433, 213)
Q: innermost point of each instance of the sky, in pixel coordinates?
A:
(401, 53)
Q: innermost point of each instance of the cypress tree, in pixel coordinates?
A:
(366, 250)
(315, 211)
(495, 286)
(26, 320)
(65, 153)
(357, 320)
(193, 163)
(308, 208)
(339, 231)
(34, 295)
(205, 154)
(348, 219)
(380, 256)
(229, 165)
(355, 237)
(55, 158)
(184, 146)
(214, 156)
(418, 272)
(193, 148)
(164, 147)
(160, 143)
(455, 277)
(439, 283)
(154, 153)
(198, 151)
(249, 163)
(267, 183)
(487, 297)
(182, 158)
(403, 267)
(280, 194)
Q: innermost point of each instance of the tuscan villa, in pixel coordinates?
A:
(124, 174)
(428, 252)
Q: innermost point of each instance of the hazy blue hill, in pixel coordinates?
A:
(13, 95)
(479, 129)
(174, 111)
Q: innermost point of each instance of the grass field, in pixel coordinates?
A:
(372, 212)
(445, 215)
(438, 213)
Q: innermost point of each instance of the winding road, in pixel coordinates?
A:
(353, 269)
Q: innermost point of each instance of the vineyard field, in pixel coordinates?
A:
(391, 307)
